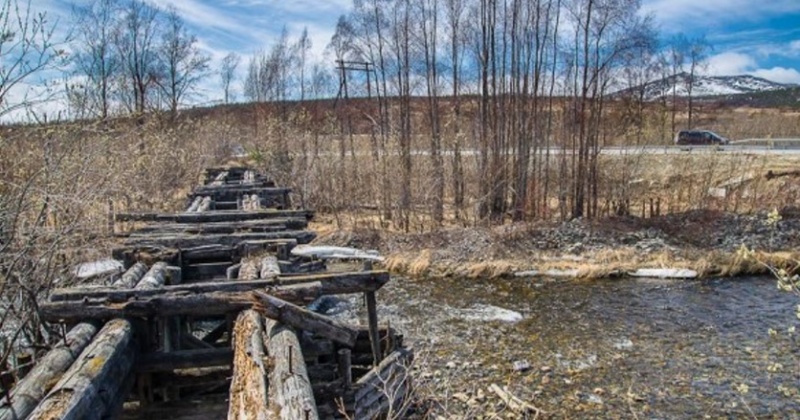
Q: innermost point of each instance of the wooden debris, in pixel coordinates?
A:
(270, 269)
(155, 278)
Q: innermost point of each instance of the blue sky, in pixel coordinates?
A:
(759, 37)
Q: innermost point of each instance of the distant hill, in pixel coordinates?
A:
(707, 86)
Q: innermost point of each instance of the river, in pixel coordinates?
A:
(604, 349)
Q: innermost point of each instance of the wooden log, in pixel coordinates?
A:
(90, 389)
(248, 390)
(195, 204)
(191, 241)
(297, 317)
(155, 278)
(249, 269)
(131, 277)
(205, 205)
(23, 398)
(184, 359)
(219, 179)
(212, 216)
(290, 392)
(270, 269)
(170, 304)
(328, 283)
(255, 202)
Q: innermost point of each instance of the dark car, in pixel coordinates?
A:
(699, 138)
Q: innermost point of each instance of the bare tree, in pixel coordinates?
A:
(96, 61)
(137, 47)
(227, 74)
(696, 53)
(181, 63)
(301, 49)
(28, 47)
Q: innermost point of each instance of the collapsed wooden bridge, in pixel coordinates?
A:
(209, 320)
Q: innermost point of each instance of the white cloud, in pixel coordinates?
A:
(736, 63)
(714, 12)
(779, 74)
(730, 63)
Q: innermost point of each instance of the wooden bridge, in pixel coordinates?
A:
(208, 320)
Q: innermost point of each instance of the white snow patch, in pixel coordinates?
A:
(94, 268)
(335, 252)
(664, 273)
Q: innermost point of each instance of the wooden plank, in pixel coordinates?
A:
(372, 322)
(297, 317)
(91, 387)
(212, 216)
(167, 304)
(23, 398)
(191, 241)
(248, 390)
(290, 392)
(329, 284)
(184, 359)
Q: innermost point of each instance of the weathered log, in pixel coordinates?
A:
(302, 268)
(385, 387)
(184, 359)
(290, 392)
(249, 269)
(329, 284)
(163, 303)
(270, 269)
(155, 278)
(23, 398)
(92, 385)
(131, 277)
(212, 216)
(372, 322)
(248, 391)
(191, 241)
(195, 204)
(232, 272)
(255, 202)
(205, 205)
(295, 316)
(219, 179)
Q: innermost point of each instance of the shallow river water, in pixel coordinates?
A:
(604, 349)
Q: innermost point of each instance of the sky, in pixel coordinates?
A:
(758, 37)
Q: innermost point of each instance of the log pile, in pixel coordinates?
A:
(212, 301)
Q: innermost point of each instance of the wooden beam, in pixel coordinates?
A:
(303, 319)
(24, 397)
(290, 392)
(155, 278)
(212, 216)
(191, 241)
(329, 284)
(248, 390)
(184, 359)
(91, 387)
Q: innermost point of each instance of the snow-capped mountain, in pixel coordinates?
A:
(706, 86)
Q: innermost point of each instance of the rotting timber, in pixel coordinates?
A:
(209, 320)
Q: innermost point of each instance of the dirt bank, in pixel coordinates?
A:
(708, 242)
